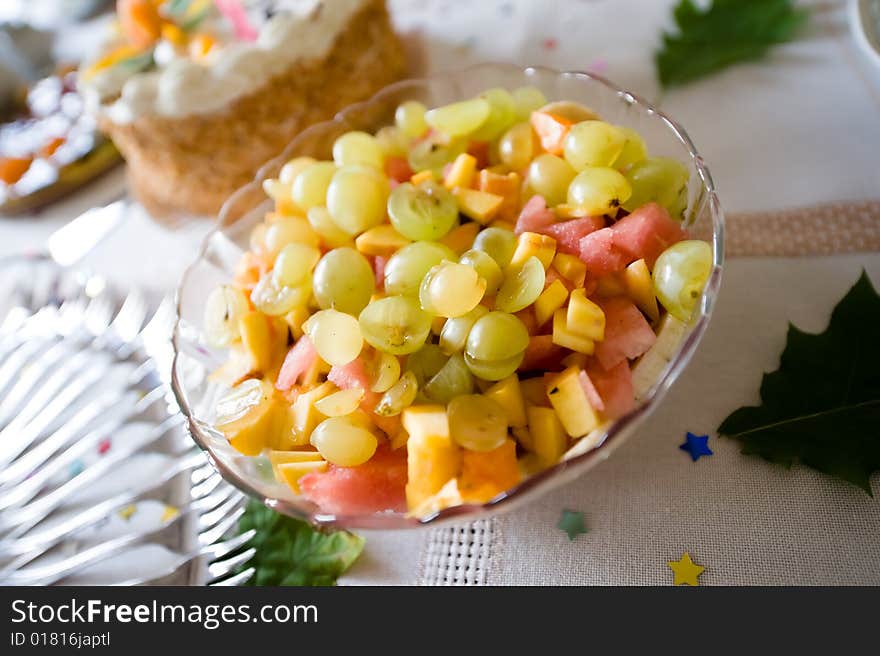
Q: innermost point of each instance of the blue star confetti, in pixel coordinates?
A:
(696, 446)
(572, 522)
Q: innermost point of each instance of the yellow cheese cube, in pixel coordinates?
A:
(532, 243)
(291, 472)
(569, 399)
(584, 317)
(640, 288)
(549, 440)
(550, 300)
(508, 395)
(381, 240)
(421, 176)
(461, 238)
(478, 205)
(461, 173)
(305, 415)
(571, 268)
(564, 337)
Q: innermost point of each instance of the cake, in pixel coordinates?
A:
(199, 95)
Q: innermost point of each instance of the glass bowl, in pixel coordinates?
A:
(221, 249)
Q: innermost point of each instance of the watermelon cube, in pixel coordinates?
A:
(568, 234)
(542, 354)
(592, 394)
(298, 360)
(379, 263)
(354, 374)
(375, 486)
(646, 233)
(398, 169)
(627, 333)
(599, 252)
(615, 386)
(534, 216)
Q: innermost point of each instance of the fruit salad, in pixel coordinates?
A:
(454, 303)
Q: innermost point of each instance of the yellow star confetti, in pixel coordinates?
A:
(127, 512)
(170, 513)
(686, 570)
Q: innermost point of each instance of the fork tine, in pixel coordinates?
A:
(226, 547)
(213, 534)
(211, 501)
(239, 579)
(210, 519)
(220, 568)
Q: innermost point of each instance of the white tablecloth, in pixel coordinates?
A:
(798, 129)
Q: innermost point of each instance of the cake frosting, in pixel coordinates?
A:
(181, 86)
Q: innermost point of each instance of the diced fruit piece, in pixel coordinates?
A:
(253, 418)
(564, 336)
(298, 360)
(646, 372)
(532, 244)
(421, 177)
(552, 129)
(139, 21)
(508, 395)
(534, 216)
(570, 268)
(432, 457)
(584, 317)
(611, 285)
(541, 354)
(461, 172)
(378, 485)
(487, 474)
(646, 233)
(534, 392)
(615, 386)
(640, 288)
(340, 403)
(568, 396)
(670, 332)
(627, 333)
(12, 169)
(447, 496)
(568, 234)
(284, 457)
(507, 186)
(382, 240)
(291, 472)
(547, 433)
(570, 110)
(461, 238)
(305, 415)
(259, 341)
(478, 205)
(355, 375)
(295, 320)
(397, 168)
(550, 300)
(600, 254)
(426, 420)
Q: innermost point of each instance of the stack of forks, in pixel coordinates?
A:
(99, 482)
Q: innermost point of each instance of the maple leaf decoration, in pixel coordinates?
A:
(722, 34)
(822, 406)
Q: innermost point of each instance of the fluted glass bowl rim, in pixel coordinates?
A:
(536, 484)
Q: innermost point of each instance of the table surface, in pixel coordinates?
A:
(798, 129)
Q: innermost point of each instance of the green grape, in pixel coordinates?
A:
(486, 266)
(288, 230)
(335, 335)
(433, 153)
(271, 298)
(330, 233)
(454, 334)
(517, 147)
(459, 119)
(494, 369)
(358, 148)
(598, 190)
(527, 100)
(658, 179)
(451, 289)
(395, 324)
(392, 141)
(477, 422)
(356, 198)
(310, 186)
(384, 370)
(680, 273)
(497, 243)
(410, 118)
(426, 212)
(502, 114)
(295, 263)
(453, 380)
(593, 143)
(293, 168)
(550, 177)
(401, 395)
(634, 150)
(497, 336)
(344, 281)
(522, 286)
(223, 308)
(341, 441)
(406, 269)
(426, 362)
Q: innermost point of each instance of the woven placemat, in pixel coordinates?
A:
(463, 555)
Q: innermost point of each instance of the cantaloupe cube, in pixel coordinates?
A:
(550, 300)
(286, 457)
(549, 440)
(446, 497)
(478, 205)
(584, 317)
(571, 402)
(265, 426)
(523, 436)
(291, 472)
(461, 173)
(305, 415)
(461, 238)
(504, 185)
(571, 268)
(508, 395)
(533, 244)
(381, 240)
(295, 320)
(640, 288)
(485, 474)
(563, 336)
(421, 176)
(257, 340)
(432, 457)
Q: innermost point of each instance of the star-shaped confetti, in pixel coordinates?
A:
(696, 446)
(572, 522)
(686, 570)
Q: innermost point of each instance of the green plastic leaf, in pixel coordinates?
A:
(822, 406)
(292, 552)
(725, 33)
